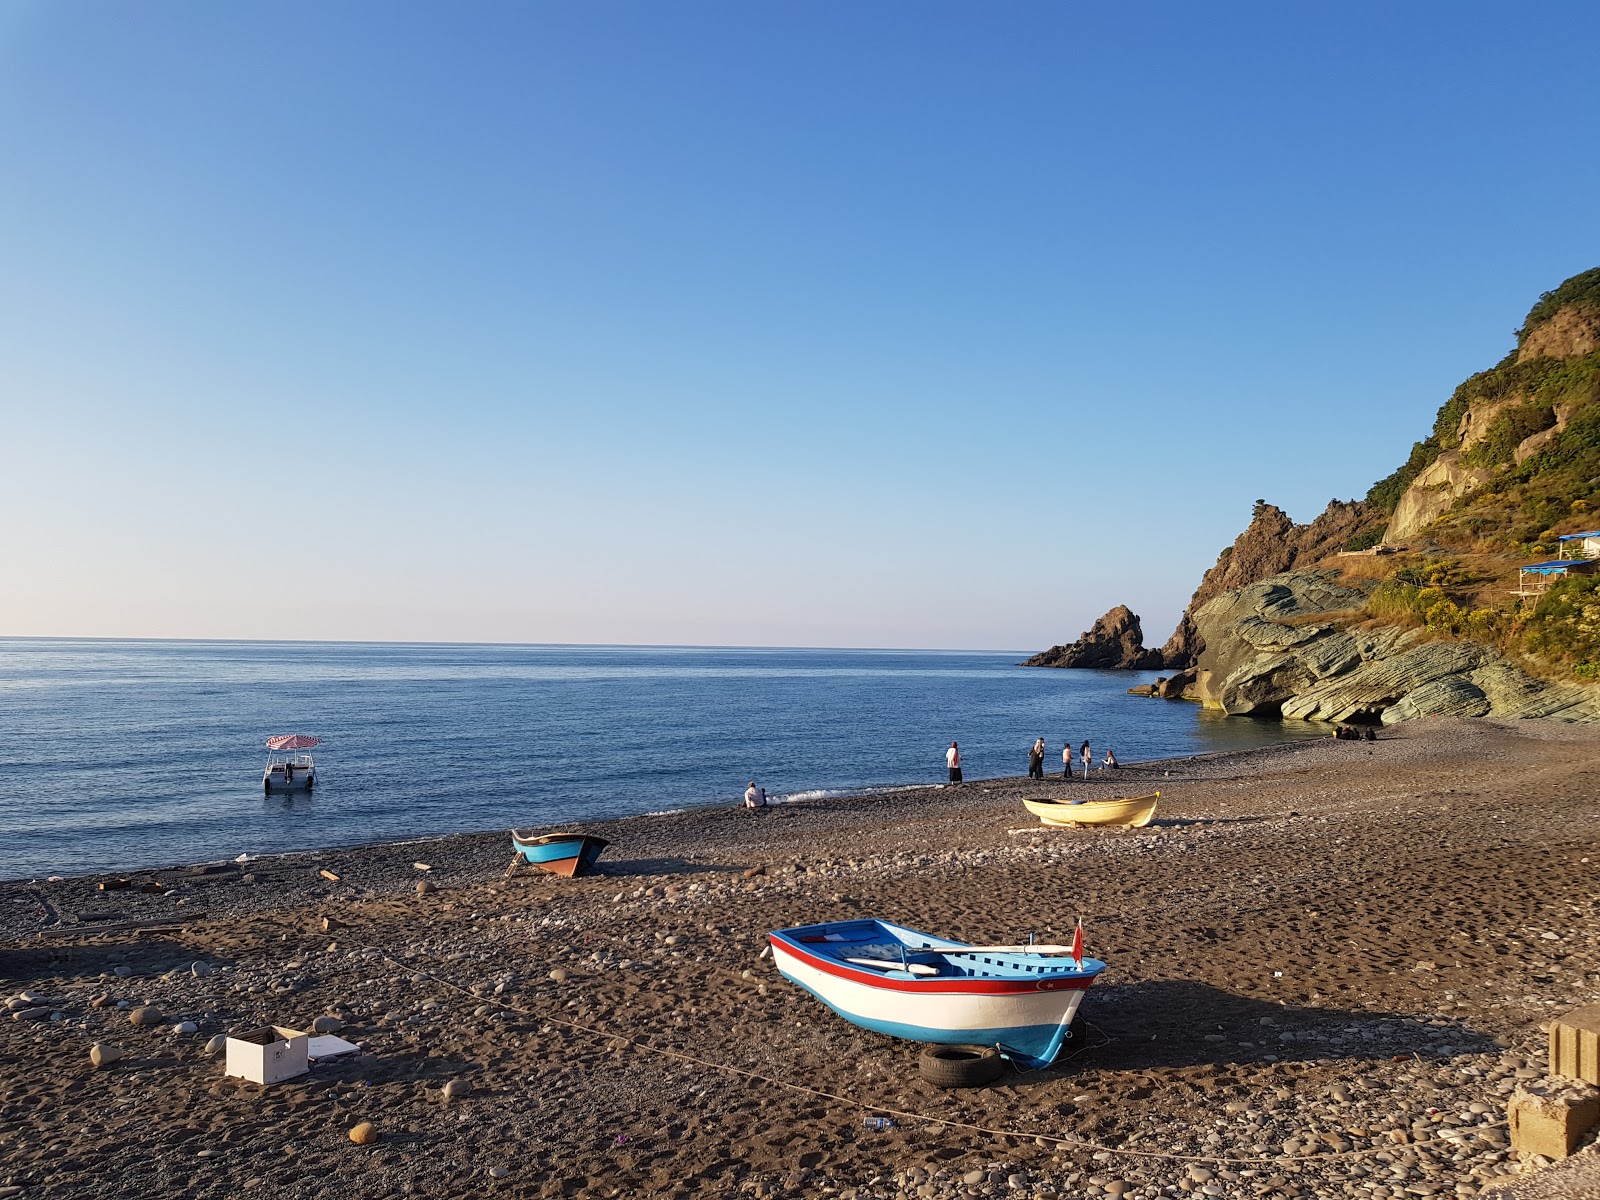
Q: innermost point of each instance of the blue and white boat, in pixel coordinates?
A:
(565, 854)
(894, 980)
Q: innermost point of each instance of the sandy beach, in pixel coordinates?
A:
(1328, 966)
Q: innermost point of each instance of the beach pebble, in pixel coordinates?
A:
(184, 1027)
(364, 1134)
(102, 1055)
(456, 1089)
(424, 886)
(217, 1044)
(200, 969)
(326, 1025)
(100, 1001)
(146, 1014)
(499, 1172)
(974, 1178)
(30, 1014)
(559, 975)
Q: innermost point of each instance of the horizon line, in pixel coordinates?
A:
(24, 637)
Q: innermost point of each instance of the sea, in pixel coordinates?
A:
(118, 755)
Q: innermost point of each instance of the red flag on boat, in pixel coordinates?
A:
(1077, 943)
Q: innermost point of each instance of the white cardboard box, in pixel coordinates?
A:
(269, 1054)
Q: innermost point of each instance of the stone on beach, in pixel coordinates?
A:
(102, 1055)
(217, 1044)
(456, 1089)
(326, 1025)
(30, 1014)
(364, 1133)
(424, 886)
(146, 1014)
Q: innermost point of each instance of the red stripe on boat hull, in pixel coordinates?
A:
(923, 987)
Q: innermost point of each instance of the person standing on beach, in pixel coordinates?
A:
(1036, 760)
(1066, 761)
(1086, 757)
(952, 759)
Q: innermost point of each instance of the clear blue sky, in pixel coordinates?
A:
(889, 324)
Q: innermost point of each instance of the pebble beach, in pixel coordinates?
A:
(1329, 964)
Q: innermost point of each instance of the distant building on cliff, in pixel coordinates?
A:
(1535, 578)
(1580, 545)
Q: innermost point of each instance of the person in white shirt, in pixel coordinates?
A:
(755, 797)
(1066, 761)
(952, 759)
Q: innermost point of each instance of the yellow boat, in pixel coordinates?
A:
(1134, 810)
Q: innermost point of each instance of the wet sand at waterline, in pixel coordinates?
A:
(1328, 963)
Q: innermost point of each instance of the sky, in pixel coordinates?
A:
(943, 325)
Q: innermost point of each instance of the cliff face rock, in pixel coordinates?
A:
(1433, 491)
(1269, 651)
(1115, 643)
(1270, 545)
(1570, 332)
(1501, 418)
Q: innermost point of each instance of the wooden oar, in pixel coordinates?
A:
(886, 965)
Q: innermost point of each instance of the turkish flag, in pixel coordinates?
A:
(1077, 943)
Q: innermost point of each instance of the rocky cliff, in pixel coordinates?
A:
(1295, 646)
(1516, 448)
(1271, 544)
(1115, 643)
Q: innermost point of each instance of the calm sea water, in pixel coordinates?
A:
(121, 754)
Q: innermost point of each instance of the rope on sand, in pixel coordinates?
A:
(908, 1114)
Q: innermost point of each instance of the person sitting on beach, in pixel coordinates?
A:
(755, 797)
(1110, 760)
(1066, 761)
(952, 759)
(1371, 734)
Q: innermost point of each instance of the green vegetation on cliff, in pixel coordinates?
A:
(1560, 479)
(1444, 596)
(1582, 292)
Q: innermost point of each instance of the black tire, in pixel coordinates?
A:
(960, 1066)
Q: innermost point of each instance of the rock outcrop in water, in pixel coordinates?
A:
(1115, 643)
(1291, 645)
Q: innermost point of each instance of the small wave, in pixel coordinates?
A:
(667, 812)
(836, 793)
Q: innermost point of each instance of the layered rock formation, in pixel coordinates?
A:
(1115, 643)
(1289, 646)
(1271, 544)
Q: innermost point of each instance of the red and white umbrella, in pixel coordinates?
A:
(292, 741)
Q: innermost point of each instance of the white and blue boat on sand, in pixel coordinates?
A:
(894, 980)
(565, 854)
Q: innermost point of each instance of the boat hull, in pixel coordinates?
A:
(1027, 1018)
(275, 781)
(564, 854)
(1135, 811)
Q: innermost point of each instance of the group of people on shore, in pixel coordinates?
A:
(1085, 760)
(952, 760)
(1349, 733)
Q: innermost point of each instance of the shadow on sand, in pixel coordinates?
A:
(1181, 1023)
